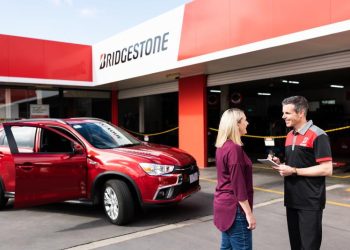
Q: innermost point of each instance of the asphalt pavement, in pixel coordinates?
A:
(271, 232)
(189, 225)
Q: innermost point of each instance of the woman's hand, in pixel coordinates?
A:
(248, 214)
(251, 221)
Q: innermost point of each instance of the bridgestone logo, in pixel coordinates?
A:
(147, 47)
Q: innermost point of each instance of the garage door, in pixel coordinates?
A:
(307, 65)
(149, 90)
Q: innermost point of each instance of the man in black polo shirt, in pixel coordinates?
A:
(308, 161)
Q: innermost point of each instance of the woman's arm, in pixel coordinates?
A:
(249, 214)
(238, 183)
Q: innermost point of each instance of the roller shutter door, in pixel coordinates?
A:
(149, 90)
(308, 65)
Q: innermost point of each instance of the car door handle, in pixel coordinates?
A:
(1, 154)
(66, 157)
(27, 166)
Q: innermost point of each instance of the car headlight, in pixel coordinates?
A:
(156, 169)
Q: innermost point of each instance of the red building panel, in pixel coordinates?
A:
(211, 26)
(193, 117)
(340, 10)
(4, 56)
(35, 58)
(291, 16)
(26, 57)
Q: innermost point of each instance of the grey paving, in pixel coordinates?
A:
(63, 225)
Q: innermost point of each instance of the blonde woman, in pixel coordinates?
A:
(233, 198)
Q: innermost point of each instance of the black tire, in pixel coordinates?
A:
(118, 202)
(3, 199)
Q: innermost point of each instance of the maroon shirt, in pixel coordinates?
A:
(235, 183)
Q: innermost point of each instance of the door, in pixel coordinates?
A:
(7, 170)
(47, 167)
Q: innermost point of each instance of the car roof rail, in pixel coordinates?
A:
(39, 120)
(87, 118)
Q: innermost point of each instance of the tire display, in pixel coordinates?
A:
(236, 98)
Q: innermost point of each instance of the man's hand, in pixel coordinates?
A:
(285, 170)
(274, 158)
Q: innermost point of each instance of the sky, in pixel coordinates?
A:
(78, 21)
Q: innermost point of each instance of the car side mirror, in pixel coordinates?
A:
(78, 149)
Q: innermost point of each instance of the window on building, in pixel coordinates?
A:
(87, 103)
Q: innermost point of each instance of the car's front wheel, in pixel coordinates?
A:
(118, 202)
(3, 199)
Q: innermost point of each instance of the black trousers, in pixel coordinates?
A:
(304, 228)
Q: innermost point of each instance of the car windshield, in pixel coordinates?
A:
(103, 135)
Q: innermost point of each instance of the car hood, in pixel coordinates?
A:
(159, 154)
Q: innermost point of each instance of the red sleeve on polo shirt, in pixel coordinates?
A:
(322, 148)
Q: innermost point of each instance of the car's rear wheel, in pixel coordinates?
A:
(118, 202)
(3, 199)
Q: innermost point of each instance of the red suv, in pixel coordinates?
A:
(52, 160)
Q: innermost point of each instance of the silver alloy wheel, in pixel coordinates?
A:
(111, 203)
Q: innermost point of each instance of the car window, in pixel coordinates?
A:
(24, 137)
(3, 141)
(65, 132)
(51, 142)
(103, 135)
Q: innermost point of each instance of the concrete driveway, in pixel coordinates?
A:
(185, 226)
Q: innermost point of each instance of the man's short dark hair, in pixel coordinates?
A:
(300, 103)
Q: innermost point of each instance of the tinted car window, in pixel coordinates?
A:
(103, 135)
(52, 142)
(65, 132)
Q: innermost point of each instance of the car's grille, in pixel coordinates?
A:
(171, 192)
(188, 169)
